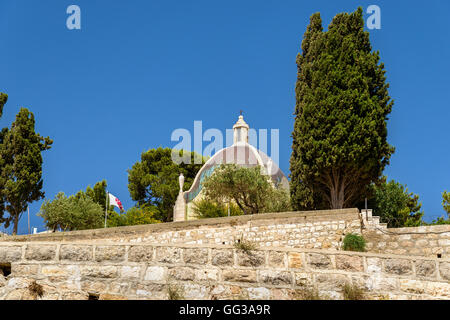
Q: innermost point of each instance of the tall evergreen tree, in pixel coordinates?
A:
(21, 167)
(3, 99)
(342, 103)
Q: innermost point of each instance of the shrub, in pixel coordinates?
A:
(246, 246)
(210, 209)
(354, 242)
(353, 292)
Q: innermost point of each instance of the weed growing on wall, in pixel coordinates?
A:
(354, 242)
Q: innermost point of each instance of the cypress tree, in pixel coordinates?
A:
(342, 103)
(21, 170)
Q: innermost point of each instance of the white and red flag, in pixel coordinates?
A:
(114, 201)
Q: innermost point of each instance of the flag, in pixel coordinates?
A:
(114, 201)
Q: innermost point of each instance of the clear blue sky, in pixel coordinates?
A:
(140, 69)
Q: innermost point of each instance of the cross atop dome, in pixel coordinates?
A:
(240, 130)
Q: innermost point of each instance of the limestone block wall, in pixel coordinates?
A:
(313, 229)
(310, 230)
(141, 271)
(430, 241)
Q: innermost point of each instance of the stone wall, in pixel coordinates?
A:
(140, 271)
(432, 241)
(311, 229)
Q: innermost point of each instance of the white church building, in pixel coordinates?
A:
(241, 153)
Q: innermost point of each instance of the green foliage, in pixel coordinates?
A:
(395, 205)
(438, 221)
(205, 208)
(277, 200)
(246, 187)
(3, 100)
(353, 292)
(446, 201)
(74, 213)
(98, 193)
(354, 242)
(154, 180)
(134, 216)
(342, 105)
(20, 166)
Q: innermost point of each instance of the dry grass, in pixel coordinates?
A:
(307, 293)
(36, 290)
(244, 245)
(174, 292)
(353, 292)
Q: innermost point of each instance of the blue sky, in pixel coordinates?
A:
(137, 70)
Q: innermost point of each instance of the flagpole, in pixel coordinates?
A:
(106, 207)
(29, 231)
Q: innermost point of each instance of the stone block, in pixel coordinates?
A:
(182, 273)
(319, 261)
(330, 282)
(207, 275)
(444, 270)
(75, 296)
(349, 263)
(24, 270)
(258, 293)
(440, 289)
(276, 278)
(412, 286)
(119, 287)
(398, 266)
(295, 260)
(110, 253)
(75, 253)
(95, 287)
(130, 272)
(168, 254)
(140, 254)
(40, 252)
(193, 291)
(10, 254)
(97, 271)
(222, 257)
(196, 256)
(150, 291)
(377, 282)
(54, 271)
(155, 273)
(425, 268)
(250, 258)
(234, 275)
(303, 279)
(276, 259)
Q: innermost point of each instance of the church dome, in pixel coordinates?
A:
(241, 153)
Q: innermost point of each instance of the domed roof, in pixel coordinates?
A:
(241, 154)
